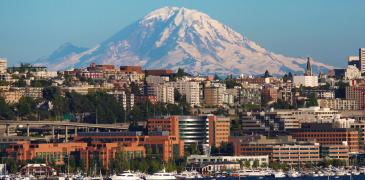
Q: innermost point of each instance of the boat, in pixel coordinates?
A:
(293, 174)
(189, 175)
(163, 175)
(251, 172)
(125, 175)
(279, 174)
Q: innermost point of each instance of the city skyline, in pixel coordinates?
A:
(35, 28)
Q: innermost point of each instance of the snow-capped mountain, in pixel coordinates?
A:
(173, 37)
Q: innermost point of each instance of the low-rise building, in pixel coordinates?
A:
(262, 160)
(293, 154)
(325, 134)
(339, 104)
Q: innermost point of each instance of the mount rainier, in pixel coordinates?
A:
(173, 38)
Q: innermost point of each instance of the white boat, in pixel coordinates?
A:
(125, 175)
(252, 172)
(340, 172)
(356, 172)
(189, 175)
(161, 176)
(293, 174)
(279, 174)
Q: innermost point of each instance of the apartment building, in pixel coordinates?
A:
(3, 65)
(191, 89)
(214, 94)
(125, 99)
(163, 92)
(354, 93)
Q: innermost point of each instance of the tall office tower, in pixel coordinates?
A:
(3, 65)
(362, 59)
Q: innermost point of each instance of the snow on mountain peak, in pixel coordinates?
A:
(173, 37)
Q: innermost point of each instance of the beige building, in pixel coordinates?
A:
(163, 92)
(339, 104)
(297, 153)
(3, 65)
(214, 94)
(12, 96)
(335, 151)
(191, 89)
(353, 92)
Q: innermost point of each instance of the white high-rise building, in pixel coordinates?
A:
(190, 89)
(3, 65)
(163, 92)
(362, 59)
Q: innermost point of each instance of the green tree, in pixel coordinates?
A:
(52, 92)
(247, 164)
(312, 101)
(5, 110)
(255, 163)
(26, 106)
(231, 82)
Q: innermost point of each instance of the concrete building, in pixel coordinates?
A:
(362, 59)
(157, 79)
(3, 65)
(305, 81)
(249, 95)
(191, 90)
(258, 145)
(264, 122)
(293, 154)
(163, 92)
(214, 94)
(339, 104)
(12, 95)
(336, 151)
(262, 160)
(354, 93)
(319, 93)
(325, 134)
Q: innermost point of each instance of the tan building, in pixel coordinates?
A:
(190, 89)
(340, 151)
(3, 65)
(214, 94)
(163, 92)
(339, 104)
(12, 96)
(354, 93)
(297, 153)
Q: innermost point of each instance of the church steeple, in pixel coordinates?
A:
(308, 70)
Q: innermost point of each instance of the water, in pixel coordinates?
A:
(359, 177)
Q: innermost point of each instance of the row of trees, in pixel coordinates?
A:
(95, 107)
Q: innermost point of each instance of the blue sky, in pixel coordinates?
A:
(327, 30)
